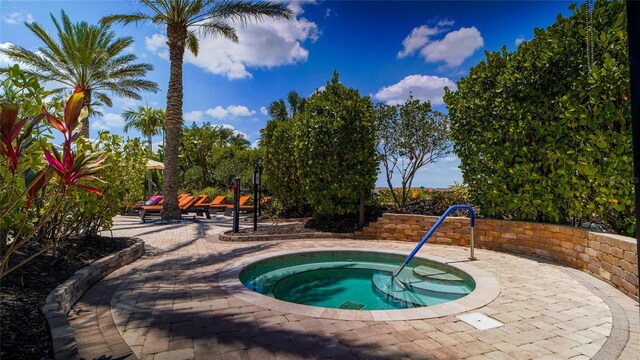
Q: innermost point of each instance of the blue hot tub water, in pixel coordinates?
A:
(356, 280)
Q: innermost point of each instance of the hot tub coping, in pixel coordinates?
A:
(487, 289)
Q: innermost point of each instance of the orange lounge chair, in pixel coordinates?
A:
(157, 202)
(228, 209)
(250, 207)
(185, 205)
(218, 204)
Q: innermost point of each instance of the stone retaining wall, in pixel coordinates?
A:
(62, 298)
(316, 235)
(609, 257)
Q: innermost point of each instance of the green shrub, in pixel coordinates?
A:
(543, 138)
(437, 202)
(280, 174)
(335, 149)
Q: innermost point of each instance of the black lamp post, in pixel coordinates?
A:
(257, 175)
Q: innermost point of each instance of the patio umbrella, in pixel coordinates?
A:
(152, 165)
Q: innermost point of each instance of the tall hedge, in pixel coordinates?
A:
(280, 165)
(336, 149)
(543, 138)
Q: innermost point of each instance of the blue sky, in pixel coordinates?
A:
(384, 49)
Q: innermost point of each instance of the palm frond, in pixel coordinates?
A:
(192, 43)
(125, 19)
(214, 27)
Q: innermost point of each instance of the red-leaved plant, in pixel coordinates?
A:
(69, 166)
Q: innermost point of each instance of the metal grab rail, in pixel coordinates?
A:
(472, 216)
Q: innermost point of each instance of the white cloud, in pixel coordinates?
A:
(232, 111)
(445, 22)
(328, 13)
(418, 38)
(296, 5)
(519, 40)
(218, 112)
(108, 121)
(264, 111)
(235, 110)
(125, 102)
(98, 125)
(268, 44)
(17, 17)
(193, 115)
(450, 158)
(455, 47)
(113, 120)
(4, 59)
(157, 44)
(422, 87)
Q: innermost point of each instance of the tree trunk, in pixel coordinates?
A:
(149, 181)
(84, 131)
(176, 41)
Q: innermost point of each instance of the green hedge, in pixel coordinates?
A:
(542, 138)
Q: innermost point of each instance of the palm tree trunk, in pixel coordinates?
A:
(149, 181)
(176, 41)
(84, 131)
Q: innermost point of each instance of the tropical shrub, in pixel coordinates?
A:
(84, 214)
(28, 187)
(436, 202)
(335, 149)
(281, 167)
(541, 136)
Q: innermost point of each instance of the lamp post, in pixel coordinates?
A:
(257, 174)
(236, 205)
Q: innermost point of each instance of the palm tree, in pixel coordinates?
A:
(183, 20)
(84, 55)
(278, 109)
(149, 122)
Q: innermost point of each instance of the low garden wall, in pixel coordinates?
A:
(228, 236)
(62, 298)
(609, 257)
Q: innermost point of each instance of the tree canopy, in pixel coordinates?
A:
(541, 136)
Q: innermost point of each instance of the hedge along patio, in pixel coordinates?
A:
(609, 257)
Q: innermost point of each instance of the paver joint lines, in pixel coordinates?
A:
(169, 305)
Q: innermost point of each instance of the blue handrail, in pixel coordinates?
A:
(472, 219)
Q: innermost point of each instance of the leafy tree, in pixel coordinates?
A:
(336, 149)
(410, 136)
(278, 144)
(201, 151)
(184, 19)
(88, 56)
(540, 135)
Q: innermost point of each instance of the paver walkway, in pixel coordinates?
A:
(168, 305)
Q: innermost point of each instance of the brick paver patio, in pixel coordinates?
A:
(169, 305)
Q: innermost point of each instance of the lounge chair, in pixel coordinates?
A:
(250, 207)
(155, 200)
(185, 205)
(218, 204)
(228, 209)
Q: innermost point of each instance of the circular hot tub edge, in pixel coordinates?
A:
(486, 290)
